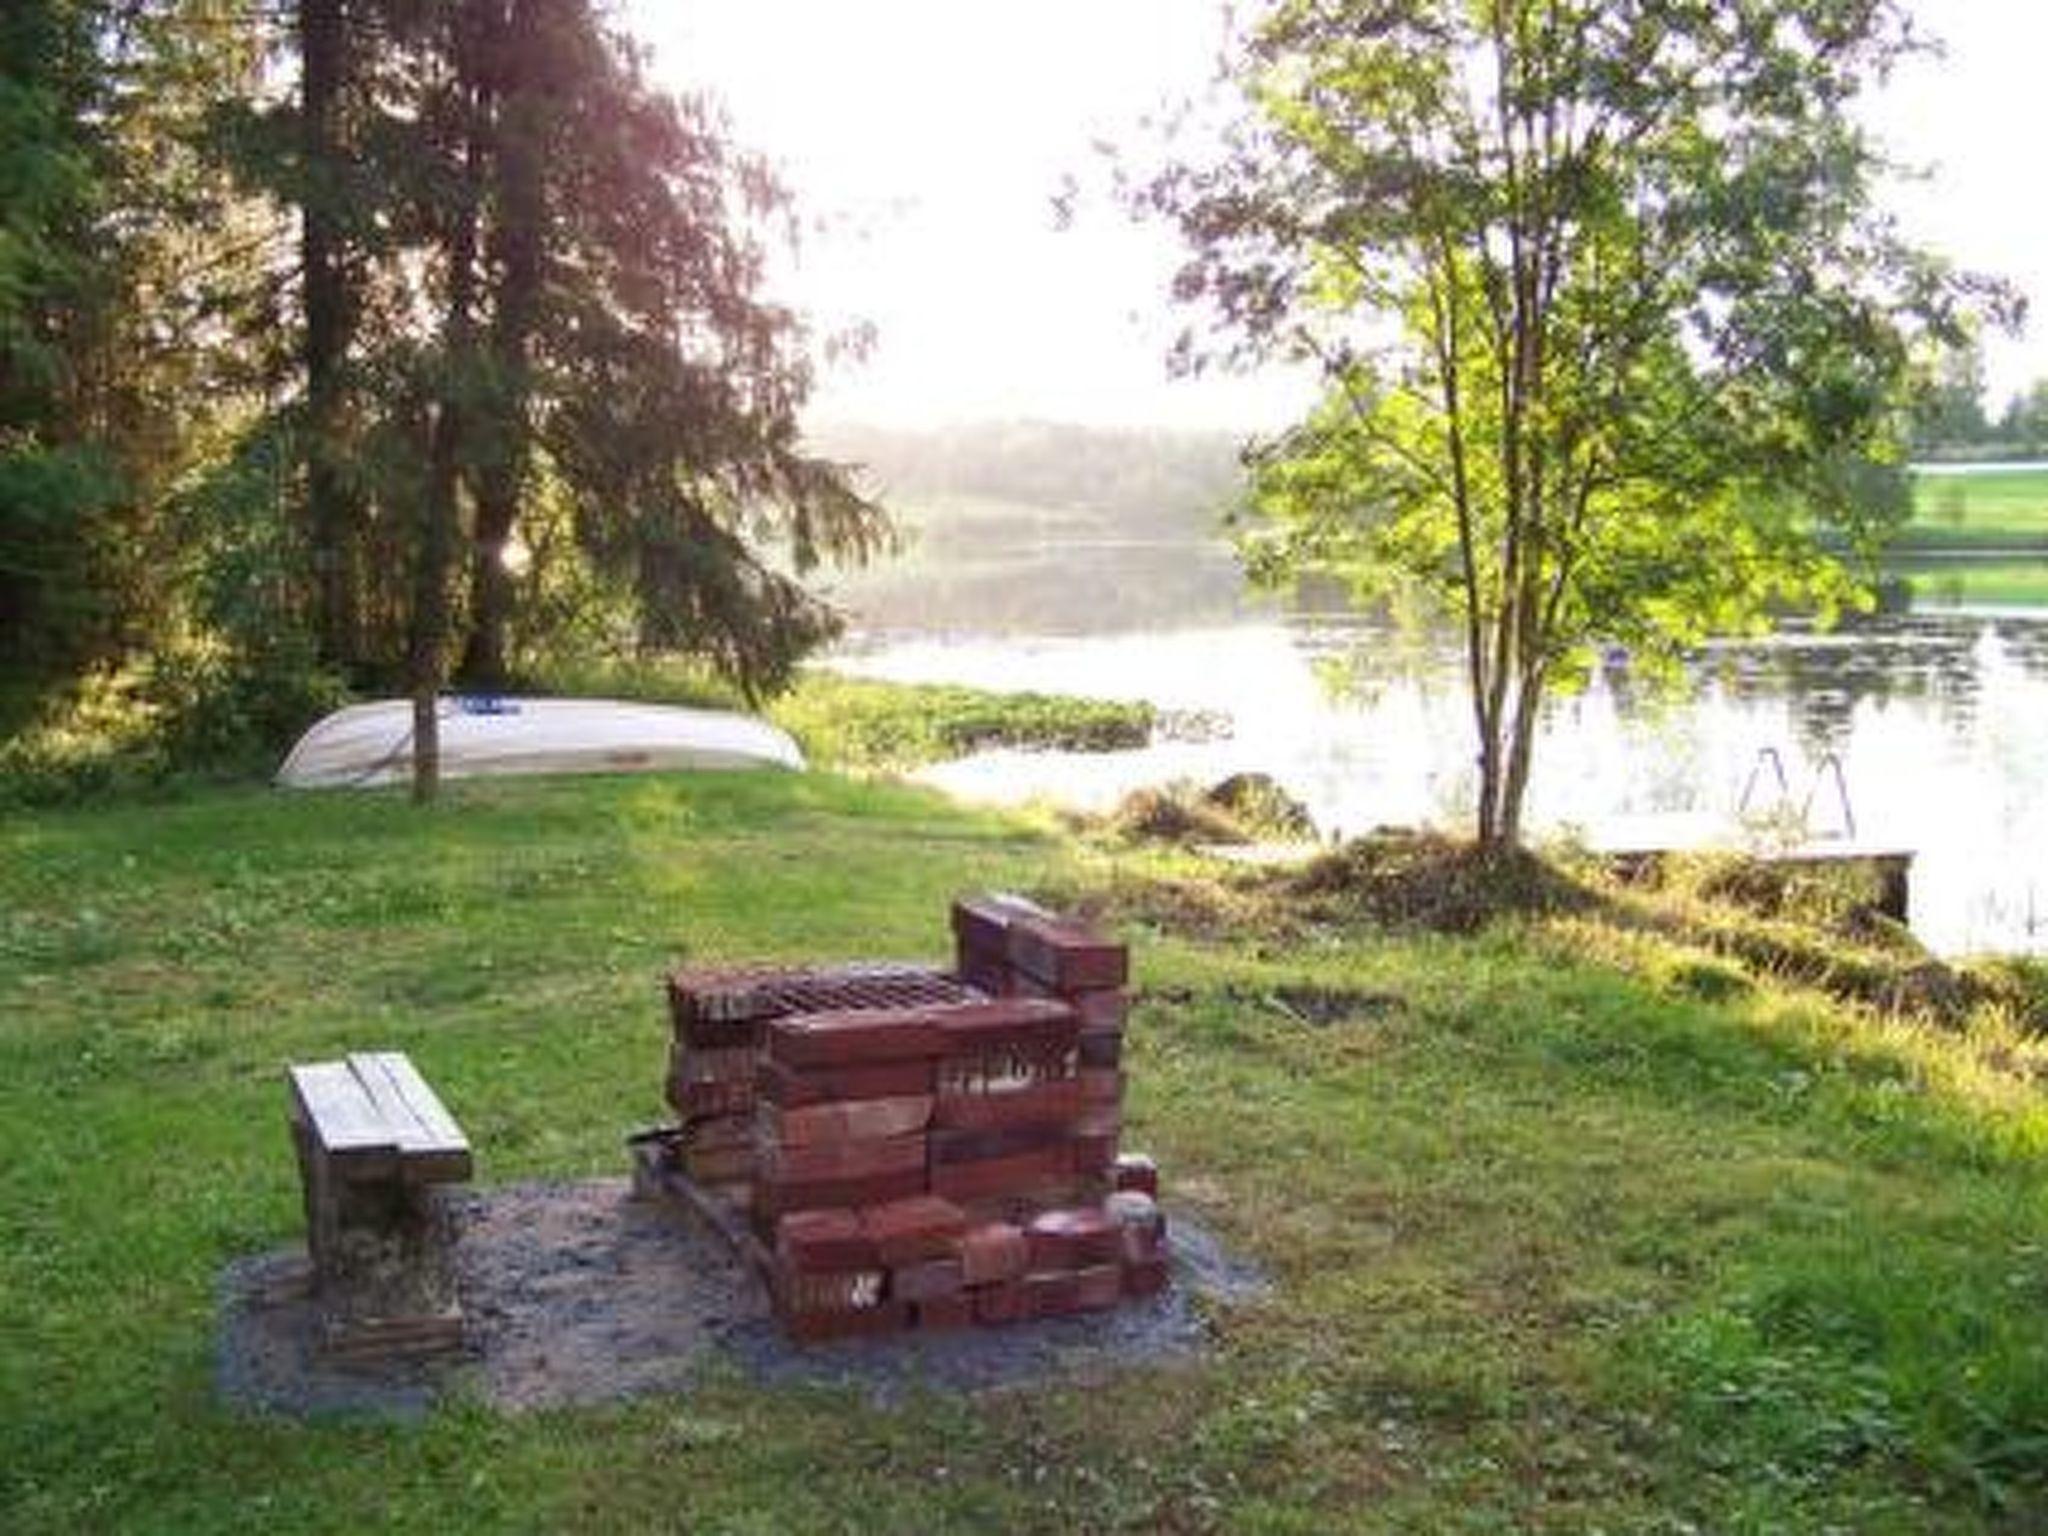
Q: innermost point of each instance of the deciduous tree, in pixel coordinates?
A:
(1611, 327)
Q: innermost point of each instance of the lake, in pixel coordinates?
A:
(1937, 714)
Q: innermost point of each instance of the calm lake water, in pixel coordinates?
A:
(1938, 717)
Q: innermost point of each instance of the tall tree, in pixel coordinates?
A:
(116, 243)
(1610, 328)
(327, 53)
(527, 281)
(633, 355)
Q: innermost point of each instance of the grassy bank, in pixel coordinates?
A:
(1985, 510)
(1562, 1237)
(1980, 582)
(112, 742)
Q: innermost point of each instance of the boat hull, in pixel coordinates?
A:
(371, 744)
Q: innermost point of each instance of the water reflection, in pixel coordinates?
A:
(1939, 719)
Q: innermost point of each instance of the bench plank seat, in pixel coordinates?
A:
(342, 1121)
(372, 1139)
(374, 1117)
(431, 1146)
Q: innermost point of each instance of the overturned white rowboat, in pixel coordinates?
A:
(368, 744)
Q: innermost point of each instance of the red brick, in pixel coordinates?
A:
(855, 1038)
(1059, 1293)
(720, 1131)
(1101, 1048)
(1134, 1170)
(1146, 1277)
(732, 1065)
(722, 1034)
(983, 921)
(1056, 1293)
(927, 1281)
(1001, 1303)
(1141, 1225)
(1067, 955)
(1100, 1287)
(985, 973)
(719, 1165)
(795, 1088)
(1032, 1024)
(1003, 1175)
(950, 1146)
(1007, 1069)
(1047, 1103)
(697, 1101)
(709, 1005)
(842, 1159)
(853, 1120)
(1073, 1239)
(814, 1242)
(994, 1251)
(937, 1312)
(1101, 1086)
(775, 1197)
(737, 995)
(910, 1231)
(828, 1291)
(1093, 1154)
(1099, 1120)
(823, 1327)
(1098, 1008)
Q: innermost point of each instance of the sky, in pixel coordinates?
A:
(926, 140)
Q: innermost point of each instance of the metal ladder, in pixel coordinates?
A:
(1830, 764)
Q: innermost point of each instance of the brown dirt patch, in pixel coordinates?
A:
(576, 1293)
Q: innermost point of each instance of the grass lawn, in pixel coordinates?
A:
(1984, 510)
(1563, 1236)
(1976, 583)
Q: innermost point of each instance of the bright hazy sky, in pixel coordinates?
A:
(929, 137)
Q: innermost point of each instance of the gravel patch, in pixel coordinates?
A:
(577, 1293)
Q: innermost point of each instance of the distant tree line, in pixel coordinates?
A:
(1137, 478)
(1954, 422)
(374, 343)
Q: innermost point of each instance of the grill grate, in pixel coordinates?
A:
(728, 995)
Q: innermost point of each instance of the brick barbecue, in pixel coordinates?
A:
(898, 1146)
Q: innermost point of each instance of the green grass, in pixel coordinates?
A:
(1560, 1240)
(1976, 583)
(106, 746)
(852, 722)
(1978, 511)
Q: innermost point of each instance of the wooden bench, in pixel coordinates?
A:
(372, 1140)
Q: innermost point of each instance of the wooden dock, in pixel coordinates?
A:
(1632, 844)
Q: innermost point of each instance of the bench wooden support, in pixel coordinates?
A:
(373, 1140)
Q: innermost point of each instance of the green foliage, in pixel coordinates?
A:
(1154, 481)
(603, 383)
(1608, 324)
(863, 723)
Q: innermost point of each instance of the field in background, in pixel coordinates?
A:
(1967, 581)
(1982, 508)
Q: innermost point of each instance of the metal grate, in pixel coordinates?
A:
(727, 995)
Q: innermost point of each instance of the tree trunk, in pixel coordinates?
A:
(516, 241)
(427, 646)
(330, 514)
(1521, 755)
(427, 650)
